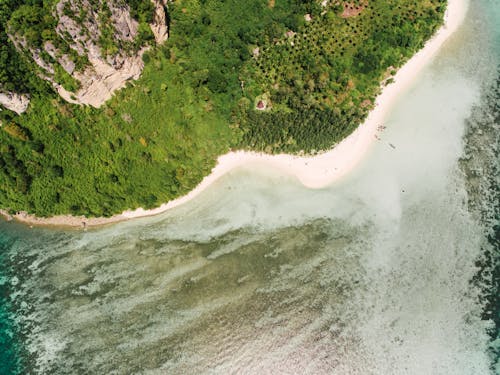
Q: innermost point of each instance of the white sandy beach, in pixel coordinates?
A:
(315, 171)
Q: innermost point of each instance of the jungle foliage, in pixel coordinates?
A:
(197, 98)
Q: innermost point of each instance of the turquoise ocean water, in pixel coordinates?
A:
(9, 355)
(393, 270)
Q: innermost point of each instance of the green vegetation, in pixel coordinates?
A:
(322, 78)
(15, 72)
(33, 23)
(196, 99)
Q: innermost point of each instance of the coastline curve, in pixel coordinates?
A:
(312, 171)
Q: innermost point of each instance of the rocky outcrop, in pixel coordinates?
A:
(104, 74)
(82, 24)
(14, 102)
(100, 80)
(159, 25)
(124, 25)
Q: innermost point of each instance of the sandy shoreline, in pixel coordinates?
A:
(314, 172)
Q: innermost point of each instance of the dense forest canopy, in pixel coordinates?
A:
(267, 75)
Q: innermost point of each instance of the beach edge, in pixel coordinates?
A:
(312, 171)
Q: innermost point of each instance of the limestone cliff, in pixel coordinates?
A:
(159, 25)
(104, 52)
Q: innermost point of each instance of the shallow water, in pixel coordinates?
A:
(372, 275)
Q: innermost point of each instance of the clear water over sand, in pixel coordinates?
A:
(259, 274)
